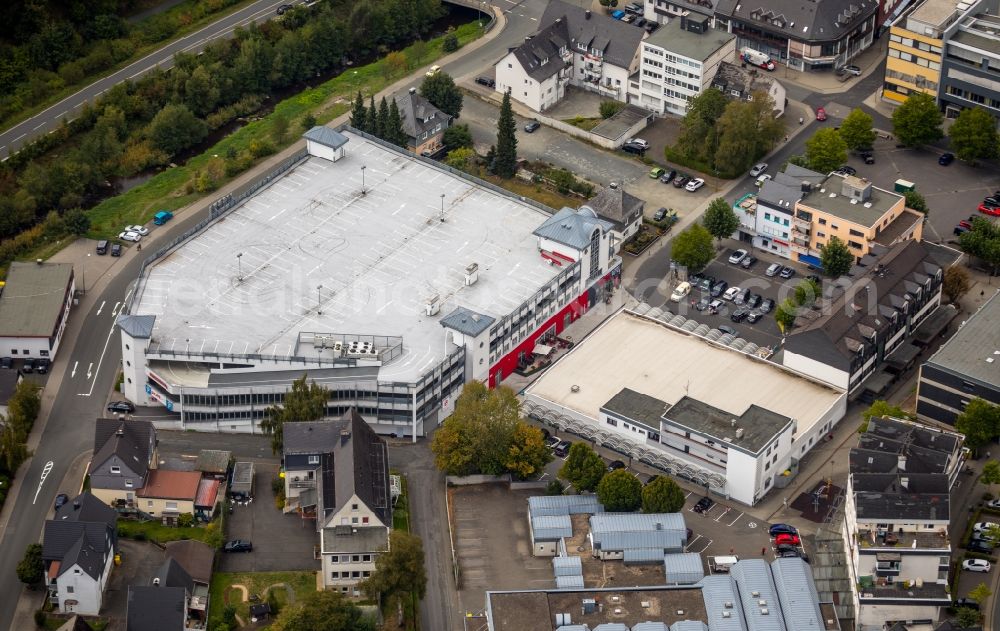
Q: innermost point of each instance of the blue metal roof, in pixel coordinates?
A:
(551, 527)
(683, 568)
(756, 586)
(650, 626)
(797, 594)
(467, 321)
(643, 555)
(563, 505)
(326, 136)
(138, 326)
(572, 227)
(638, 522)
(569, 582)
(611, 626)
(567, 566)
(665, 540)
(686, 625)
(719, 591)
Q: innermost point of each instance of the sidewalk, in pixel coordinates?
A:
(827, 82)
(32, 600)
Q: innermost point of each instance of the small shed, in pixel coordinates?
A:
(260, 611)
(684, 568)
(326, 143)
(650, 626)
(569, 582)
(213, 463)
(567, 566)
(241, 487)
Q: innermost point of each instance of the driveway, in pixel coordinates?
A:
(280, 542)
(140, 560)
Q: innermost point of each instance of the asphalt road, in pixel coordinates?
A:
(50, 118)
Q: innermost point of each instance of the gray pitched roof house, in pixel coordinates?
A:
(572, 227)
(156, 608)
(123, 454)
(540, 55)
(421, 119)
(587, 30)
(617, 206)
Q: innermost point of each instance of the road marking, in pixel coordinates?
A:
(692, 542)
(689, 494)
(40, 125)
(723, 514)
(89, 371)
(114, 311)
(101, 308)
(739, 517)
(73, 374)
(45, 473)
(20, 137)
(751, 524)
(111, 331)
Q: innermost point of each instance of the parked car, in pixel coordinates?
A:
(629, 18)
(489, 83)
(681, 180)
(820, 114)
(162, 217)
(742, 297)
(61, 499)
(766, 305)
(6, 362)
(531, 126)
(238, 545)
(946, 159)
(694, 185)
(762, 180)
(704, 504)
(976, 565)
(614, 465)
(959, 230)
(128, 235)
(728, 330)
(786, 272)
(102, 247)
(980, 545)
(715, 306)
(753, 301)
(42, 365)
(651, 26)
(748, 262)
(984, 525)
(965, 602)
(993, 503)
(719, 288)
(846, 170)
(772, 269)
(617, 14)
(736, 257)
(814, 278)
(668, 176)
(656, 172)
(283, 8)
(137, 228)
(758, 169)
(116, 249)
(640, 22)
(562, 449)
(993, 211)
(853, 70)
(28, 366)
(739, 315)
(731, 293)
(639, 142)
(792, 540)
(660, 214)
(868, 157)
(704, 282)
(782, 529)
(703, 303)
(630, 147)
(121, 407)
(680, 291)
(552, 441)
(433, 71)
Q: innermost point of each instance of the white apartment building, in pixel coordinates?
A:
(677, 64)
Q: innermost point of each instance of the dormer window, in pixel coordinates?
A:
(116, 469)
(313, 459)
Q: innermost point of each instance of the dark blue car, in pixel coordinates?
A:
(782, 529)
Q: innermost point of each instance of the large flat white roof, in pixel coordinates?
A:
(629, 351)
(378, 257)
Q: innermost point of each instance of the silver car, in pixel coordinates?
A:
(773, 269)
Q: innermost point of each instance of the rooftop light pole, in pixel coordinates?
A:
(363, 191)
(239, 263)
(319, 296)
(442, 206)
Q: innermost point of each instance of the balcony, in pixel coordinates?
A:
(801, 242)
(303, 483)
(902, 541)
(801, 225)
(918, 590)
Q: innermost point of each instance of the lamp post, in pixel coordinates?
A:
(239, 263)
(319, 299)
(83, 273)
(363, 191)
(442, 206)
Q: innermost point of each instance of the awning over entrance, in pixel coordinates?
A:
(902, 357)
(934, 325)
(542, 349)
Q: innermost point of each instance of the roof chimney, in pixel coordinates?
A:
(587, 13)
(413, 90)
(156, 582)
(901, 464)
(76, 504)
(345, 435)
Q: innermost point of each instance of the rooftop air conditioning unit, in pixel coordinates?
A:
(471, 274)
(739, 433)
(433, 305)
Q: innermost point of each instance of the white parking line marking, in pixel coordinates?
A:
(739, 517)
(689, 494)
(692, 542)
(723, 514)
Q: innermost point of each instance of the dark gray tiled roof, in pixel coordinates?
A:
(539, 56)
(311, 437)
(171, 574)
(814, 21)
(617, 206)
(636, 406)
(326, 136)
(194, 556)
(87, 508)
(129, 440)
(418, 114)
(572, 227)
(467, 321)
(138, 326)
(155, 608)
(618, 40)
(78, 543)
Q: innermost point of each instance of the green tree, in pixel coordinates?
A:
(857, 131)
(610, 108)
(175, 128)
(528, 452)
(583, 467)
(201, 92)
(747, 130)
(395, 63)
(400, 570)
(13, 447)
(918, 120)
(77, 221)
(417, 52)
(967, 617)
(806, 292)
(460, 158)
(504, 163)
(956, 283)
(699, 138)
(720, 219)
(980, 593)
(826, 150)
(973, 135)
(916, 201)
(457, 136)
(450, 43)
(785, 314)
(480, 434)
(382, 119)
(836, 258)
(554, 487)
(619, 492)
(991, 473)
(662, 495)
(359, 113)
(371, 119)
(980, 422)
(279, 128)
(31, 567)
(693, 248)
(982, 242)
(394, 131)
(441, 91)
(880, 409)
(322, 611)
(304, 402)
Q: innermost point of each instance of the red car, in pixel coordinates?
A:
(820, 114)
(965, 224)
(792, 540)
(989, 210)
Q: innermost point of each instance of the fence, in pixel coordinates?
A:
(215, 210)
(483, 7)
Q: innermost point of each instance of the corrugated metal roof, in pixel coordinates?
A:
(665, 540)
(753, 576)
(686, 625)
(684, 568)
(326, 136)
(797, 594)
(643, 555)
(138, 326)
(551, 527)
(650, 626)
(567, 566)
(569, 582)
(718, 591)
(563, 505)
(638, 522)
(611, 626)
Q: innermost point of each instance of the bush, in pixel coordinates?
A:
(40, 618)
(185, 520)
(610, 108)
(555, 487)
(450, 42)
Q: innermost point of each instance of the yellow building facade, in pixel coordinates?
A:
(913, 64)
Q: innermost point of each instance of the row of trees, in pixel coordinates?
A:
(486, 434)
(382, 122)
(148, 123)
(22, 410)
(973, 135)
(726, 136)
(982, 242)
(619, 490)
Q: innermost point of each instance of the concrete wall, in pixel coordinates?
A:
(816, 370)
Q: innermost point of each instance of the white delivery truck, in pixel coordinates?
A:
(756, 58)
(722, 564)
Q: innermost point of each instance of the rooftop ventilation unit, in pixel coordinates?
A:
(739, 433)
(471, 274)
(726, 614)
(432, 306)
(762, 602)
(763, 611)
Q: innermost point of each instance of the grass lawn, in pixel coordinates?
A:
(157, 532)
(401, 510)
(302, 583)
(537, 192)
(167, 190)
(583, 122)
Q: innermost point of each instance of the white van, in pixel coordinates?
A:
(757, 58)
(722, 564)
